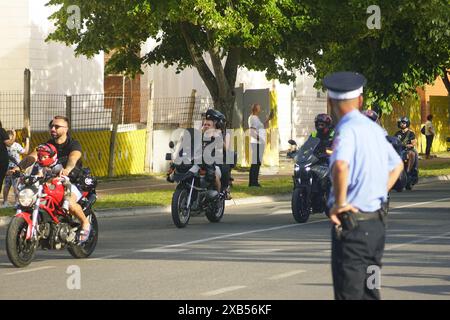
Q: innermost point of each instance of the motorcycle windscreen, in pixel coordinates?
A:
(306, 153)
(188, 147)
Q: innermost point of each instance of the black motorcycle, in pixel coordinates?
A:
(195, 193)
(405, 181)
(311, 180)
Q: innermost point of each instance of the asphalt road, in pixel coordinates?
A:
(256, 252)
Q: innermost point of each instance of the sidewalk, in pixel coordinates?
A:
(143, 184)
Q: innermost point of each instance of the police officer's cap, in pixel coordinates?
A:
(344, 85)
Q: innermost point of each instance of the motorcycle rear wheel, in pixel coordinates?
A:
(299, 204)
(20, 251)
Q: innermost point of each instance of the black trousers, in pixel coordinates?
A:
(353, 259)
(429, 143)
(3, 170)
(226, 173)
(256, 158)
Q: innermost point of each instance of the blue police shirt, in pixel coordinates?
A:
(362, 144)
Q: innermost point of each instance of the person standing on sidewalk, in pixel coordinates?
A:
(429, 134)
(14, 152)
(257, 142)
(5, 141)
(364, 166)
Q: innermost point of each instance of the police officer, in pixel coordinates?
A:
(363, 167)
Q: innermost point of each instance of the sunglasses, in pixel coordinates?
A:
(55, 126)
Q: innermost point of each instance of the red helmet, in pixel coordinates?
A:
(47, 155)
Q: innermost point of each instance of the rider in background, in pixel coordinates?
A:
(213, 127)
(408, 139)
(373, 115)
(325, 132)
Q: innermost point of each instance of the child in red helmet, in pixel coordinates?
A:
(47, 158)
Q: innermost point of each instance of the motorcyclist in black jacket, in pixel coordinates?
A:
(325, 132)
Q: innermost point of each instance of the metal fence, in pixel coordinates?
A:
(11, 110)
(97, 111)
(86, 111)
(184, 112)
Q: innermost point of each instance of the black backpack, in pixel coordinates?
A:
(423, 130)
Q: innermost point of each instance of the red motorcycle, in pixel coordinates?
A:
(41, 221)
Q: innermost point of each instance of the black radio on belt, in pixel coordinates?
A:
(348, 221)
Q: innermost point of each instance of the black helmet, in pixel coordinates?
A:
(216, 116)
(372, 115)
(403, 120)
(325, 119)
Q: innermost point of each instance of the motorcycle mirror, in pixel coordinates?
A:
(292, 142)
(168, 156)
(171, 144)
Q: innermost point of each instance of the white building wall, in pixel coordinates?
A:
(15, 33)
(306, 104)
(24, 25)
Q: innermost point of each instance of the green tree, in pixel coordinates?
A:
(411, 48)
(216, 37)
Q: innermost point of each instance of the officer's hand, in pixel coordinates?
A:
(335, 211)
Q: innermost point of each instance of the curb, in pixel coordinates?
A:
(142, 211)
(4, 221)
(434, 179)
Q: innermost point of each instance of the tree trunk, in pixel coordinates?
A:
(225, 104)
(221, 83)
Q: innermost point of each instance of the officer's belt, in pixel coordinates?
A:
(365, 216)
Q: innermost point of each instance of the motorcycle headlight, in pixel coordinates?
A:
(296, 167)
(27, 197)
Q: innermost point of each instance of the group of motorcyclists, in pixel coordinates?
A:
(311, 173)
(198, 196)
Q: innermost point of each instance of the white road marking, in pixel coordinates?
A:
(222, 290)
(282, 211)
(29, 270)
(419, 203)
(230, 235)
(103, 258)
(395, 246)
(255, 251)
(286, 274)
(163, 250)
(262, 230)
